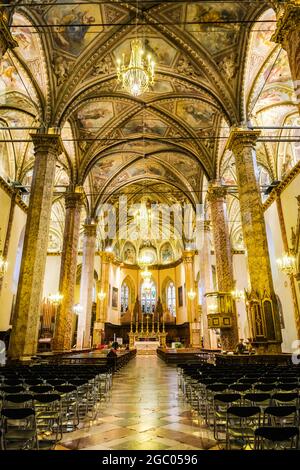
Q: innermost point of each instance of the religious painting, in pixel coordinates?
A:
(196, 113)
(166, 253)
(94, 116)
(73, 25)
(149, 254)
(180, 296)
(215, 38)
(114, 297)
(129, 254)
(145, 125)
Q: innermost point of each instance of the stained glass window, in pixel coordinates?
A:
(171, 299)
(148, 297)
(124, 297)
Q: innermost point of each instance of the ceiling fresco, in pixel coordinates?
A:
(169, 141)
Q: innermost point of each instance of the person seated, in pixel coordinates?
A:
(240, 347)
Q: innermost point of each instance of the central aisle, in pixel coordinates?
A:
(145, 412)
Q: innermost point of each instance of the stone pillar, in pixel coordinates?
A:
(24, 336)
(86, 285)
(223, 253)
(102, 303)
(287, 34)
(63, 324)
(205, 279)
(193, 316)
(6, 39)
(262, 305)
(8, 231)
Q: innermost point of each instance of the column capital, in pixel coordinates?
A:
(47, 142)
(73, 200)
(6, 39)
(216, 190)
(241, 137)
(107, 256)
(90, 230)
(288, 20)
(188, 256)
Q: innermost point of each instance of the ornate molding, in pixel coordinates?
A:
(216, 192)
(282, 186)
(6, 39)
(47, 143)
(11, 193)
(288, 21)
(240, 138)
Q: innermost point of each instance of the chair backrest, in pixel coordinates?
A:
(18, 399)
(270, 437)
(227, 398)
(41, 389)
(17, 413)
(243, 411)
(46, 398)
(257, 397)
(11, 390)
(288, 397)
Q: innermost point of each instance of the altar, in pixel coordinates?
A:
(146, 347)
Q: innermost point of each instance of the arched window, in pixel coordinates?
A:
(171, 299)
(148, 297)
(124, 297)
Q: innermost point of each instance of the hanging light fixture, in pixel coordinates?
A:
(101, 296)
(55, 298)
(3, 263)
(138, 75)
(287, 264)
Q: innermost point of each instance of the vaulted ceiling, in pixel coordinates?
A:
(210, 69)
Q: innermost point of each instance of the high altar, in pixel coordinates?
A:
(147, 332)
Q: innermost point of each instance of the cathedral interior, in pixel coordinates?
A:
(149, 189)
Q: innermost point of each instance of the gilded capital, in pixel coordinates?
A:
(107, 256)
(90, 230)
(241, 138)
(188, 256)
(216, 191)
(73, 200)
(288, 20)
(46, 143)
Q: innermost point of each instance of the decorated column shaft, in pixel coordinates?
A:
(223, 253)
(24, 336)
(192, 314)
(63, 324)
(287, 34)
(205, 279)
(103, 295)
(86, 285)
(262, 304)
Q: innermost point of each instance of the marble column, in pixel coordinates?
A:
(262, 305)
(102, 303)
(223, 253)
(6, 39)
(287, 34)
(63, 324)
(205, 279)
(86, 285)
(192, 314)
(24, 336)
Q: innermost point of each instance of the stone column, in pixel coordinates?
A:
(223, 253)
(63, 324)
(102, 304)
(6, 39)
(287, 34)
(205, 279)
(86, 285)
(193, 316)
(8, 231)
(24, 336)
(262, 305)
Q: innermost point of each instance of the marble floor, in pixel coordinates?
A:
(145, 411)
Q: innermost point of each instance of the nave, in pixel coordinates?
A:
(145, 411)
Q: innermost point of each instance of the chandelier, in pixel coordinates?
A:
(191, 294)
(101, 296)
(138, 75)
(55, 298)
(287, 264)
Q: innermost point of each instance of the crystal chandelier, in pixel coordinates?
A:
(55, 298)
(287, 264)
(138, 75)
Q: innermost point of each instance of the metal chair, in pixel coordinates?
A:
(19, 429)
(241, 422)
(276, 438)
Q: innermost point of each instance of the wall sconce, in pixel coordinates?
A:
(78, 309)
(191, 294)
(238, 295)
(55, 298)
(101, 296)
(287, 264)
